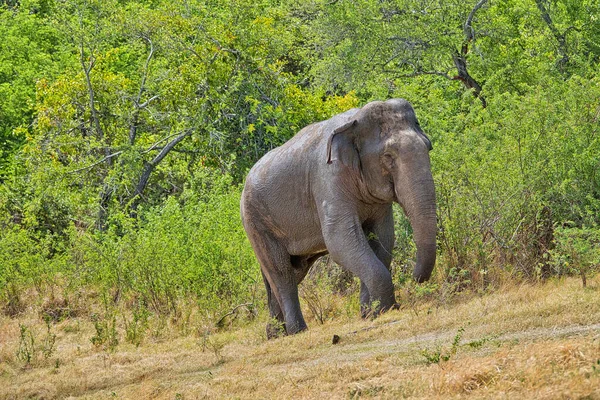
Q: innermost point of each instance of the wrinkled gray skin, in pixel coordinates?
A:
(330, 189)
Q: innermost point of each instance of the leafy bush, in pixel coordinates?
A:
(577, 251)
(194, 246)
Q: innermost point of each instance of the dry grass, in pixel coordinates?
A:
(530, 341)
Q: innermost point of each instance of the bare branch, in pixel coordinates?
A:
(468, 29)
(460, 58)
(147, 102)
(96, 163)
(460, 63)
(86, 71)
(420, 73)
(136, 113)
(176, 150)
(249, 307)
(561, 38)
(163, 153)
(154, 146)
(150, 165)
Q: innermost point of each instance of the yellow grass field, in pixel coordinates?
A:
(537, 341)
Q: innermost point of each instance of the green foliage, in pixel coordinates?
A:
(196, 247)
(27, 261)
(516, 176)
(576, 251)
(317, 288)
(49, 341)
(477, 344)
(27, 54)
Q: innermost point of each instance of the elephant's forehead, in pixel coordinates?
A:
(391, 114)
(398, 124)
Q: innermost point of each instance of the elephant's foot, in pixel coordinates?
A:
(296, 327)
(277, 329)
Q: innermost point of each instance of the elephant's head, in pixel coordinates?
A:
(390, 154)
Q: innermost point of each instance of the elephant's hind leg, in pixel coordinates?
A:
(280, 282)
(276, 326)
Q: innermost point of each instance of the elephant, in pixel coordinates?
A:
(329, 190)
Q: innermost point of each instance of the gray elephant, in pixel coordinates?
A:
(330, 189)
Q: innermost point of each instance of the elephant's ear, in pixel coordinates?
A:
(340, 129)
(424, 137)
(427, 141)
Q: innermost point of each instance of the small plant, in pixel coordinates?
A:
(417, 293)
(275, 328)
(476, 344)
(215, 345)
(29, 349)
(47, 345)
(596, 367)
(318, 292)
(438, 355)
(135, 330)
(106, 333)
(14, 305)
(370, 311)
(56, 366)
(432, 357)
(459, 279)
(26, 350)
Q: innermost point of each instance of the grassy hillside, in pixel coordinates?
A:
(526, 341)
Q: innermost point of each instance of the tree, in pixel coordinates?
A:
(374, 43)
(27, 54)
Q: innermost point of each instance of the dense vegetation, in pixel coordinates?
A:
(127, 127)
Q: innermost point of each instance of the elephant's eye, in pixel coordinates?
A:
(388, 160)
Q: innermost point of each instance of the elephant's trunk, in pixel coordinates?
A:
(421, 211)
(426, 250)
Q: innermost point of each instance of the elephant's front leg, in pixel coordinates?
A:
(380, 235)
(350, 248)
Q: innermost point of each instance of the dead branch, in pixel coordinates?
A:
(460, 58)
(249, 307)
(468, 29)
(96, 163)
(150, 165)
(155, 145)
(561, 38)
(136, 113)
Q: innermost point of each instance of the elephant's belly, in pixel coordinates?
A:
(304, 246)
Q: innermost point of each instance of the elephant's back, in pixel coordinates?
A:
(277, 195)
